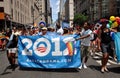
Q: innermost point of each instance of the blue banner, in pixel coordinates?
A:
(49, 51)
(117, 45)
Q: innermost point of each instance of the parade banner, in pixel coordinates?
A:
(117, 45)
(49, 51)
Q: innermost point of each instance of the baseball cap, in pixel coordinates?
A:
(44, 28)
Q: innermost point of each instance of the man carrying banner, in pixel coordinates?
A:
(85, 44)
(43, 31)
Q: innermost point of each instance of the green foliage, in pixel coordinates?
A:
(79, 19)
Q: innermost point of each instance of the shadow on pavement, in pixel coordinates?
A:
(9, 67)
(111, 69)
(93, 67)
(115, 69)
(4, 73)
(50, 70)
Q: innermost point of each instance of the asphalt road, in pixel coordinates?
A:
(93, 70)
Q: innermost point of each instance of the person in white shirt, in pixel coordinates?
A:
(85, 44)
(43, 31)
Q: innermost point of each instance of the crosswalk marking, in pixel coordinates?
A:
(98, 57)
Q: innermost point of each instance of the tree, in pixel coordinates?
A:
(79, 19)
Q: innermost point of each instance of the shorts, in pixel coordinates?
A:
(85, 51)
(106, 48)
(12, 50)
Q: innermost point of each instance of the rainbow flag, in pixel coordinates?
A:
(70, 47)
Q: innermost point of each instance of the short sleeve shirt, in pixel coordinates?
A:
(86, 41)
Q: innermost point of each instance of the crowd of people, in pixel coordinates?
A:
(95, 38)
(98, 39)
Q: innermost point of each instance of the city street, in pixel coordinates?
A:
(93, 70)
(50, 34)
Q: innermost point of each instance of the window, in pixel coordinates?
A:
(1, 9)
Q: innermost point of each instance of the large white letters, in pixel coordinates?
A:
(45, 43)
(27, 50)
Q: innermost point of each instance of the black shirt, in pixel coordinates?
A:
(106, 37)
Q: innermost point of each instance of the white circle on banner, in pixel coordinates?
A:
(41, 49)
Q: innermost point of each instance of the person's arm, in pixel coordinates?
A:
(99, 39)
(82, 37)
(113, 30)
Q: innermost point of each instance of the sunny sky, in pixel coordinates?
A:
(55, 9)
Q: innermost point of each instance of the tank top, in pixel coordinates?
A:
(106, 37)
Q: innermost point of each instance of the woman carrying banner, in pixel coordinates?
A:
(12, 48)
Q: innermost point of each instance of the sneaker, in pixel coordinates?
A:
(80, 67)
(91, 53)
(84, 66)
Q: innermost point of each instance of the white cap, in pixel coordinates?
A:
(44, 28)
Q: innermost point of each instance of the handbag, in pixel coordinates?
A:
(10, 41)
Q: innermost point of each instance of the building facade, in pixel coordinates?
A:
(61, 14)
(66, 13)
(69, 11)
(96, 9)
(44, 11)
(16, 12)
(22, 12)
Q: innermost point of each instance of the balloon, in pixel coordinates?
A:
(118, 21)
(114, 25)
(117, 18)
(108, 25)
(110, 22)
(112, 18)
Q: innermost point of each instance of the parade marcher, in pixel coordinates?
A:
(36, 31)
(70, 30)
(94, 43)
(43, 31)
(85, 44)
(60, 31)
(65, 31)
(106, 39)
(12, 48)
